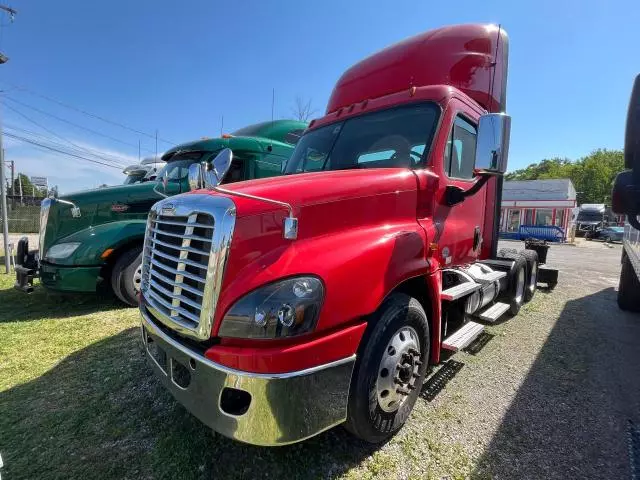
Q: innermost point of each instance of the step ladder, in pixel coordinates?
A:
(492, 312)
(463, 337)
(459, 291)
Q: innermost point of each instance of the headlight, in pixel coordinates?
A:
(62, 250)
(281, 309)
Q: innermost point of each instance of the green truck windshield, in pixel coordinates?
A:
(177, 168)
(397, 137)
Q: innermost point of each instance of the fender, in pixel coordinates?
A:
(359, 267)
(95, 240)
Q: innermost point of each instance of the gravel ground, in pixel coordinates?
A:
(551, 395)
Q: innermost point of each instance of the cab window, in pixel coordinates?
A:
(459, 157)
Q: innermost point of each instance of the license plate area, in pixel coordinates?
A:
(180, 374)
(156, 352)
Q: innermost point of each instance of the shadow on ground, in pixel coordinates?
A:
(100, 414)
(16, 306)
(569, 418)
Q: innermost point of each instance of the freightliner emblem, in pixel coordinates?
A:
(168, 209)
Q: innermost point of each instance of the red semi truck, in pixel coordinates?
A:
(275, 309)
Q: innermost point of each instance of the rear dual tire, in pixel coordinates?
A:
(522, 278)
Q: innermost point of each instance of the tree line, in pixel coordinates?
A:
(592, 175)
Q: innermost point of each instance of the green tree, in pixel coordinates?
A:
(592, 175)
(28, 188)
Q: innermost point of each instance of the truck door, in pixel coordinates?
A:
(458, 227)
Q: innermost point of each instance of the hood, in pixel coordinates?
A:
(121, 193)
(215, 144)
(347, 203)
(99, 206)
(306, 189)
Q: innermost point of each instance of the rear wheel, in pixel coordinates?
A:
(629, 286)
(390, 369)
(517, 282)
(126, 276)
(531, 258)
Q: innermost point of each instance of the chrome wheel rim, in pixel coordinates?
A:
(398, 369)
(534, 277)
(520, 286)
(137, 278)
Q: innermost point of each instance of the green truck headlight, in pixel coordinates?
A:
(281, 309)
(61, 250)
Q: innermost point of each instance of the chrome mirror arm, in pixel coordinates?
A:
(290, 223)
(75, 210)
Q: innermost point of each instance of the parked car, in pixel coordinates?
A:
(608, 234)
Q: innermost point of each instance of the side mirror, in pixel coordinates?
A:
(195, 176)
(492, 148)
(632, 130)
(219, 168)
(210, 174)
(625, 196)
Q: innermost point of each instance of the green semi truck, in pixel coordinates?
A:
(93, 239)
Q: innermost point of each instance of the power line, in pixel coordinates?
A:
(44, 140)
(73, 124)
(46, 147)
(84, 149)
(93, 115)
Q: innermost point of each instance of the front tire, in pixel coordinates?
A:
(390, 369)
(126, 276)
(629, 286)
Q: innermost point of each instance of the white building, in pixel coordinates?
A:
(537, 203)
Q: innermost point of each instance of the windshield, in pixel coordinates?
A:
(590, 216)
(177, 168)
(397, 137)
(131, 179)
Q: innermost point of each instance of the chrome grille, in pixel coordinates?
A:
(186, 246)
(44, 217)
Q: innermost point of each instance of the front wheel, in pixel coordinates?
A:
(126, 276)
(390, 369)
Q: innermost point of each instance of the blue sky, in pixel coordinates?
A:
(178, 67)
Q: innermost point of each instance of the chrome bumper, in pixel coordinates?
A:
(260, 409)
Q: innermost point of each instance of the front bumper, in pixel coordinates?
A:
(69, 278)
(260, 409)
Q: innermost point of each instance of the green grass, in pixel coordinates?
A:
(77, 400)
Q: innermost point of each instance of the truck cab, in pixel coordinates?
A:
(93, 238)
(275, 309)
(144, 171)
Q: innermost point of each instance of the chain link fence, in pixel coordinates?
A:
(23, 214)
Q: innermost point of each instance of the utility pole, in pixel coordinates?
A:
(13, 185)
(273, 102)
(20, 185)
(5, 217)
(3, 183)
